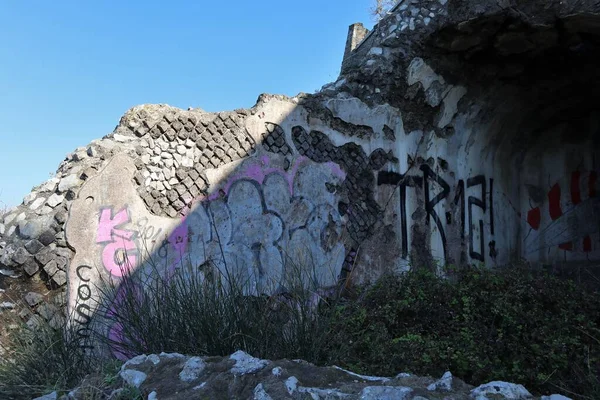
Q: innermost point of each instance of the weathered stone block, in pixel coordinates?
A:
(31, 267)
(60, 278)
(51, 268)
(21, 255)
(33, 299)
(33, 246)
(47, 237)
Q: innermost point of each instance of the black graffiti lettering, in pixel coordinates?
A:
(163, 250)
(481, 203)
(429, 179)
(86, 317)
(78, 272)
(492, 209)
(83, 336)
(431, 203)
(84, 296)
(459, 197)
(388, 178)
(402, 181)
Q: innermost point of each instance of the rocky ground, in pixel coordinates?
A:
(241, 376)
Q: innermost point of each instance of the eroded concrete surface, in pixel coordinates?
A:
(458, 132)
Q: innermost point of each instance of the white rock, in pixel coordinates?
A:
(192, 369)
(403, 375)
(133, 377)
(277, 371)
(137, 360)
(55, 200)
(153, 358)
(122, 138)
(9, 218)
(555, 397)
(385, 393)
(49, 185)
(444, 384)
(443, 2)
(246, 364)
(36, 203)
(291, 384)
(510, 391)
(187, 162)
(44, 210)
(164, 146)
(68, 182)
(260, 393)
(153, 396)
(29, 198)
(2, 229)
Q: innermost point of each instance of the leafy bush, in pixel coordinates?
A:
(513, 325)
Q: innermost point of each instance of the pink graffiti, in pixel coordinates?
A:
(108, 225)
(118, 255)
(258, 173)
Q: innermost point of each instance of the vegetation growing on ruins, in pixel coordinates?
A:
(513, 324)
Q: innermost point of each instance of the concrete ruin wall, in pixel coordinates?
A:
(454, 135)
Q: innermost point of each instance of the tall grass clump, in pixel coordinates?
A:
(210, 310)
(40, 360)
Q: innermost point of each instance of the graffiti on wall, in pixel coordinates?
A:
(470, 195)
(258, 220)
(567, 217)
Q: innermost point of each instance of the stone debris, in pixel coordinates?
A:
(133, 377)
(174, 376)
(246, 364)
(192, 369)
(444, 384)
(509, 391)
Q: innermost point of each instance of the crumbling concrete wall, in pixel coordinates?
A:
(457, 133)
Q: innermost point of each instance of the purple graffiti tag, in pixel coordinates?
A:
(258, 173)
(118, 255)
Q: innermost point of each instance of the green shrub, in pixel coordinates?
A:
(483, 325)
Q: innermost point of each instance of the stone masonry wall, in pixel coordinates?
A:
(453, 135)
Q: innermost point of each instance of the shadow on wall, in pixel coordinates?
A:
(248, 193)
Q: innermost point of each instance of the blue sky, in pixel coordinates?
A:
(70, 69)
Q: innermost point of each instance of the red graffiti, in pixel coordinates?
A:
(554, 202)
(534, 217)
(119, 253)
(560, 203)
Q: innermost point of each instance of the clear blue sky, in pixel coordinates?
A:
(70, 69)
